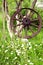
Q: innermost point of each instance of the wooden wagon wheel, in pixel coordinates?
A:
(25, 21)
(30, 26)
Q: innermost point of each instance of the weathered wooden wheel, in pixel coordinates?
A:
(30, 26)
(25, 22)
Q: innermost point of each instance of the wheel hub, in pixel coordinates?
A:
(26, 21)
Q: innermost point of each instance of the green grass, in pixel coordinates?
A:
(16, 51)
(19, 52)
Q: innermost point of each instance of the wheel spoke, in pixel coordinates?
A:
(26, 13)
(21, 15)
(34, 20)
(26, 31)
(20, 30)
(18, 25)
(31, 29)
(29, 13)
(18, 19)
(34, 25)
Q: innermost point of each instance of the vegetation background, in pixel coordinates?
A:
(19, 51)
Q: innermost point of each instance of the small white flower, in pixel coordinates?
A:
(31, 63)
(7, 63)
(25, 64)
(2, 46)
(19, 64)
(30, 47)
(41, 59)
(14, 63)
(6, 51)
(8, 46)
(6, 57)
(18, 44)
(28, 60)
(12, 44)
(24, 40)
(22, 45)
(11, 52)
(29, 43)
(18, 52)
(15, 58)
(23, 52)
(36, 45)
(40, 44)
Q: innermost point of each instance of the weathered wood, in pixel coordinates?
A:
(33, 6)
(6, 17)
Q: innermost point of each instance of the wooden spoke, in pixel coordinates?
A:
(35, 20)
(19, 32)
(21, 15)
(26, 30)
(26, 12)
(17, 19)
(21, 29)
(18, 25)
(34, 25)
(31, 29)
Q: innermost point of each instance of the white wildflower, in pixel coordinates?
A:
(19, 64)
(12, 45)
(29, 43)
(15, 58)
(36, 45)
(31, 63)
(8, 46)
(23, 52)
(28, 60)
(7, 63)
(18, 45)
(41, 59)
(22, 45)
(2, 46)
(14, 63)
(11, 52)
(25, 64)
(40, 44)
(6, 51)
(18, 52)
(24, 40)
(30, 47)
(6, 57)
